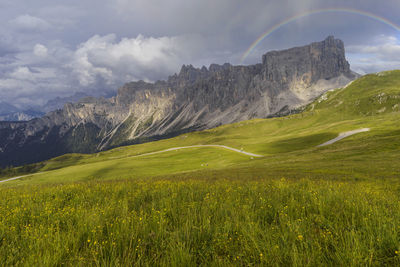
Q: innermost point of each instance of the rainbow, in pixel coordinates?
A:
(313, 12)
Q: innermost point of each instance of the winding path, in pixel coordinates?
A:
(340, 137)
(158, 152)
(184, 147)
(14, 178)
(344, 135)
(19, 177)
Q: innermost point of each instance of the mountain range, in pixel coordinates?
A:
(193, 99)
(9, 112)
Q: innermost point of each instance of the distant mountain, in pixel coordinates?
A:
(191, 100)
(10, 112)
(21, 116)
(59, 102)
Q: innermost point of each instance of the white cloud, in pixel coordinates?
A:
(22, 73)
(40, 50)
(98, 66)
(30, 23)
(383, 53)
(384, 47)
(129, 59)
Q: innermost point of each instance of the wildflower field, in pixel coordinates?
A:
(201, 222)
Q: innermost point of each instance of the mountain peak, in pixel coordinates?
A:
(318, 60)
(330, 38)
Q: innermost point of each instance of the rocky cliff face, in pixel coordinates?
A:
(191, 100)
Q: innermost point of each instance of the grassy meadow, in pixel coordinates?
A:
(186, 222)
(299, 205)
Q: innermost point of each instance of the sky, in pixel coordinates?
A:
(54, 48)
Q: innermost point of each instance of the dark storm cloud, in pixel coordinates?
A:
(51, 48)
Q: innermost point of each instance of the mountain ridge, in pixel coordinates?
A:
(193, 99)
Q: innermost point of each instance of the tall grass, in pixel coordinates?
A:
(201, 222)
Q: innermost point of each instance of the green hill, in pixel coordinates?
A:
(299, 204)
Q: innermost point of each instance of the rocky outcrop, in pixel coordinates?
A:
(191, 100)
